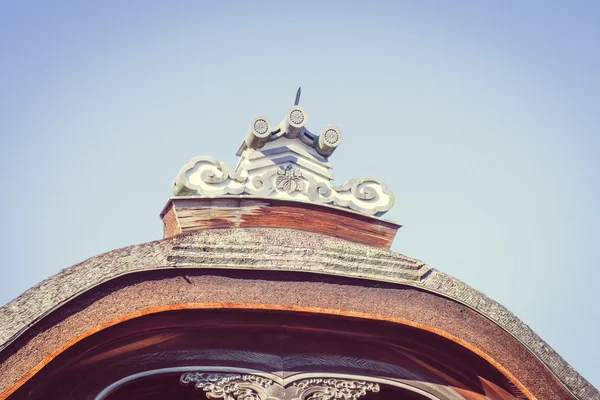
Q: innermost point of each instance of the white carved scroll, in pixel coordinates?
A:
(367, 195)
(206, 177)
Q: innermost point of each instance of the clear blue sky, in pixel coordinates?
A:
(482, 117)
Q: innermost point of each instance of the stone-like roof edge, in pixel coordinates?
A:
(256, 248)
(450, 287)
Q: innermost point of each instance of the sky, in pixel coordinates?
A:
(481, 117)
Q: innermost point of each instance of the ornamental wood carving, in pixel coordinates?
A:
(254, 387)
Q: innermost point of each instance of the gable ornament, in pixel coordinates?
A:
(286, 162)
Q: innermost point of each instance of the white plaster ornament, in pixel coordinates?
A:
(285, 162)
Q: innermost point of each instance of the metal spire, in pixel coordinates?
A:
(298, 93)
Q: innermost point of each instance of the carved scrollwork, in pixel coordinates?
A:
(229, 386)
(253, 387)
(330, 389)
(367, 195)
(359, 188)
(205, 176)
(319, 191)
(260, 186)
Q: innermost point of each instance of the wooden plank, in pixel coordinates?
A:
(202, 213)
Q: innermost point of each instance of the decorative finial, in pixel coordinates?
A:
(298, 93)
(284, 161)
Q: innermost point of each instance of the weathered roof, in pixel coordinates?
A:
(273, 250)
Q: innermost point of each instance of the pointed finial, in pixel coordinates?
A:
(298, 93)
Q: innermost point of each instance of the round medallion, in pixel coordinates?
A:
(331, 136)
(297, 117)
(261, 126)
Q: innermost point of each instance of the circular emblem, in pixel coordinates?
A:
(297, 117)
(331, 136)
(261, 126)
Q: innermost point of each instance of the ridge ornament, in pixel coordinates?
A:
(286, 162)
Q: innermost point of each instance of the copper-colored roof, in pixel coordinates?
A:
(273, 250)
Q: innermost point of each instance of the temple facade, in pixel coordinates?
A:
(272, 282)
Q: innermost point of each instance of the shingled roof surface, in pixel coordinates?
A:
(271, 249)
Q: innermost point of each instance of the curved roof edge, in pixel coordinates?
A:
(222, 248)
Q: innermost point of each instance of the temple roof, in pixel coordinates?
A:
(274, 250)
(277, 213)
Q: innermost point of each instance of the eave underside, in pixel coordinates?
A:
(132, 297)
(281, 344)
